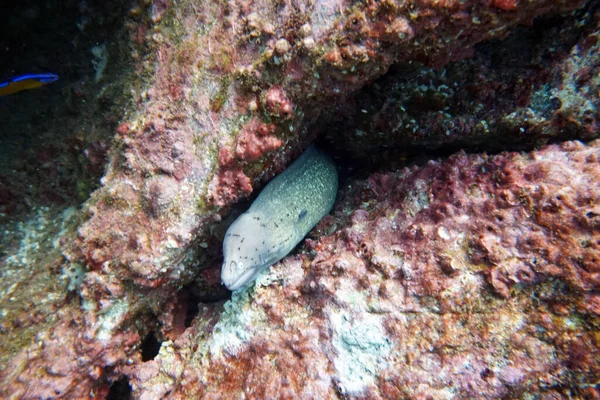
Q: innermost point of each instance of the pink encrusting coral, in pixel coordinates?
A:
(229, 93)
(237, 70)
(214, 86)
(477, 276)
(256, 139)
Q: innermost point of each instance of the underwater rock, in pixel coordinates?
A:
(527, 90)
(228, 95)
(476, 276)
(235, 75)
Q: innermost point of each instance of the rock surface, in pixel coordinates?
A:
(534, 87)
(477, 277)
(391, 297)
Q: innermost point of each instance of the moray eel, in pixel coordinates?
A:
(282, 214)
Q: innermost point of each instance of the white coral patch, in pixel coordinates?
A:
(238, 323)
(362, 349)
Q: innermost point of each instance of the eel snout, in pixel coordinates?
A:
(231, 277)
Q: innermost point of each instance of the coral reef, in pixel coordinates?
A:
(390, 297)
(473, 277)
(532, 88)
(245, 72)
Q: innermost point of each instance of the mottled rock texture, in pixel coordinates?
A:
(475, 277)
(537, 86)
(228, 90)
(227, 94)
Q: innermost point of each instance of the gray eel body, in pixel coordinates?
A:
(284, 212)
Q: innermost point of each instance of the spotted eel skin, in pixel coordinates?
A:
(280, 217)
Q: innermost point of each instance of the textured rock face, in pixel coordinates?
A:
(529, 89)
(230, 94)
(473, 277)
(413, 273)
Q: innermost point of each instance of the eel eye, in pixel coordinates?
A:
(235, 266)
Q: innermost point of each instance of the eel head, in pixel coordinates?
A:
(251, 244)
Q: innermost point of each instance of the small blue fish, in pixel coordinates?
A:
(25, 82)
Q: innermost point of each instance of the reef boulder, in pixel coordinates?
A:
(476, 276)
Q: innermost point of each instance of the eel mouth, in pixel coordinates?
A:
(235, 282)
